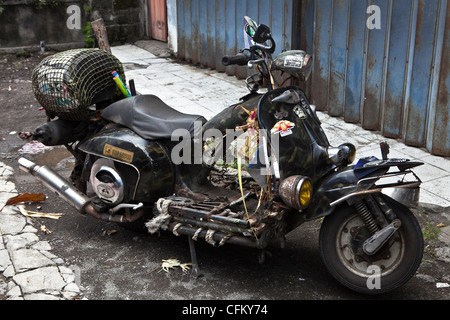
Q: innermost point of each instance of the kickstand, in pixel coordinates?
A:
(195, 271)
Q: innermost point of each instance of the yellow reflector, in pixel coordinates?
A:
(305, 193)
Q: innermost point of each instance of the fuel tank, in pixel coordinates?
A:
(143, 165)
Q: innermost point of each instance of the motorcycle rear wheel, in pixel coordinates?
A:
(341, 236)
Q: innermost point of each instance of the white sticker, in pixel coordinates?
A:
(294, 61)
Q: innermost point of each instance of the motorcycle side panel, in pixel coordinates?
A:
(149, 159)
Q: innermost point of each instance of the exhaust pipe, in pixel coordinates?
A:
(56, 183)
(69, 193)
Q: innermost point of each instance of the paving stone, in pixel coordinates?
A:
(5, 261)
(72, 287)
(47, 278)
(9, 272)
(42, 246)
(67, 274)
(443, 254)
(25, 259)
(15, 291)
(11, 224)
(20, 241)
(40, 296)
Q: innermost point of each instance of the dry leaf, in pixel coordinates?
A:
(109, 232)
(440, 225)
(25, 197)
(35, 214)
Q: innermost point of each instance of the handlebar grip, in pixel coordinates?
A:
(240, 59)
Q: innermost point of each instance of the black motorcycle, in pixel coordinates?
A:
(249, 176)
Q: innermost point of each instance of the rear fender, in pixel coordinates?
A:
(351, 183)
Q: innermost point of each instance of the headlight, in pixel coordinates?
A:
(342, 155)
(296, 192)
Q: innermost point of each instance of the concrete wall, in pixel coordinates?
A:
(125, 20)
(24, 23)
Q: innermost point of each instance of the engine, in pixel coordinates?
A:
(126, 168)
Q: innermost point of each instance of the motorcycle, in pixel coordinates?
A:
(144, 164)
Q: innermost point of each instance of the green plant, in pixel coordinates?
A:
(88, 39)
(431, 232)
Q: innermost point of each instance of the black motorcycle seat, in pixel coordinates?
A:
(150, 117)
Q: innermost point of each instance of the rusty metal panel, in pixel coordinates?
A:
(220, 33)
(211, 33)
(396, 80)
(230, 32)
(195, 34)
(438, 135)
(321, 54)
(181, 36)
(375, 66)
(416, 119)
(338, 60)
(354, 90)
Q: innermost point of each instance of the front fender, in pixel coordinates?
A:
(331, 188)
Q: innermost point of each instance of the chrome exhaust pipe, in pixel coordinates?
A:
(56, 183)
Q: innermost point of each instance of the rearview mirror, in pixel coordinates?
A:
(262, 34)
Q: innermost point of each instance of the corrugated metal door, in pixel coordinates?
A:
(209, 29)
(158, 13)
(384, 64)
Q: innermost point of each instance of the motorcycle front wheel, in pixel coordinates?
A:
(341, 237)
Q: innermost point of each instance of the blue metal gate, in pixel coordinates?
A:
(384, 64)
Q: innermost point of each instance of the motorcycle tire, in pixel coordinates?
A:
(390, 268)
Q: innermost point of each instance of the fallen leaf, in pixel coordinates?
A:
(25, 197)
(34, 214)
(109, 232)
(440, 225)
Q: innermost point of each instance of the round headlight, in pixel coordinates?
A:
(305, 193)
(296, 192)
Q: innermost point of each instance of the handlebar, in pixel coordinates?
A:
(240, 59)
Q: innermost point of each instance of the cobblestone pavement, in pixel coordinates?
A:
(30, 270)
